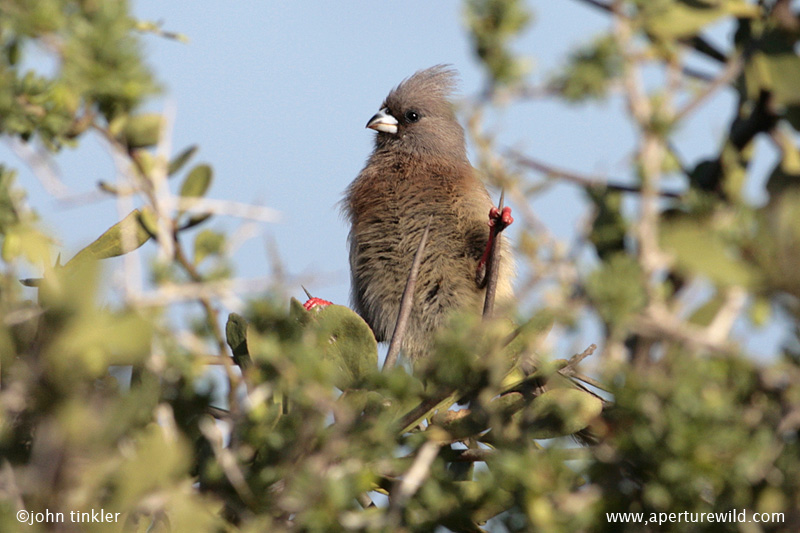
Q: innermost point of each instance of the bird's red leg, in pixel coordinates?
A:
(498, 221)
(312, 303)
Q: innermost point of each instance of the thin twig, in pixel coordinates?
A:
(365, 501)
(702, 46)
(414, 478)
(478, 455)
(406, 302)
(590, 381)
(658, 323)
(575, 360)
(731, 71)
(219, 413)
(598, 4)
(720, 327)
(412, 418)
(493, 264)
(697, 74)
(580, 179)
(226, 289)
(212, 319)
(650, 156)
(226, 459)
(43, 168)
(223, 208)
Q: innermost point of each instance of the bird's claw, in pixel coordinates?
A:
(500, 220)
(313, 303)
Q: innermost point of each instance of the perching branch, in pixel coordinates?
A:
(493, 266)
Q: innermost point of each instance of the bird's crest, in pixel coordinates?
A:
(429, 87)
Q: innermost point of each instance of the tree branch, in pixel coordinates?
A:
(493, 266)
(581, 179)
(406, 302)
(731, 71)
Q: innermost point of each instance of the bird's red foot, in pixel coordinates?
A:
(313, 303)
(500, 219)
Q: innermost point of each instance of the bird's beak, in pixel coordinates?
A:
(383, 121)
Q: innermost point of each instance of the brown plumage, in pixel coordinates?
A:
(419, 168)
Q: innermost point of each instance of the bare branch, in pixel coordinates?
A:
(575, 360)
(701, 45)
(590, 381)
(223, 207)
(413, 417)
(650, 156)
(171, 293)
(697, 74)
(731, 71)
(658, 323)
(599, 5)
(406, 302)
(414, 478)
(581, 179)
(226, 459)
(43, 167)
(493, 266)
(719, 329)
(471, 455)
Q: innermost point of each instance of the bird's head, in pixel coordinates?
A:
(418, 118)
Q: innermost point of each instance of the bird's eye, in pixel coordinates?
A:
(412, 116)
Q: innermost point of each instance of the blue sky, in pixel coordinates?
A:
(277, 95)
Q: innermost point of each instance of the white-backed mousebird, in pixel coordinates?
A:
(418, 171)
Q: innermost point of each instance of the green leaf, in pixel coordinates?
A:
(617, 289)
(348, 342)
(609, 226)
(145, 163)
(181, 159)
(701, 249)
(590, 70)
(774, 66)
(236, 335)
(98, 339)
(25, 241)
(465, 423)
(208, 243)
(676, 20)
(197, 182)
(760, 311)
(123, 237)
(493, 24)
(782, 178)
(561, 412)
(142, 131)
(299, 313)
(668, 20)
(194, 220)
(704, 315)
(153, 461)
(149, 221)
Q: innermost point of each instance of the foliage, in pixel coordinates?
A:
(107, 405)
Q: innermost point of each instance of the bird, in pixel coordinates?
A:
(418, 172)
